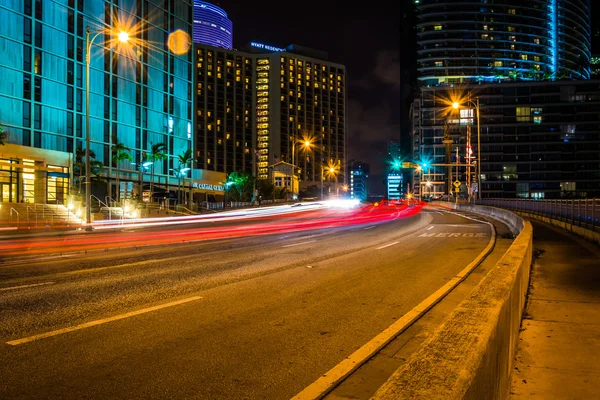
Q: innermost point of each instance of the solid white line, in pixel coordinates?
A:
(298, 244)
(100, 321)
(328, 381)
(369, 227)
(386, 245)
(25, 286)
(465, 226)
(430, 228)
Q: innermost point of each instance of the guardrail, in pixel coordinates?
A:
(584, 213)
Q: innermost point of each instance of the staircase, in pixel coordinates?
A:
(32, 215)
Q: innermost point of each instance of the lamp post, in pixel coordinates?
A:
(306, 144)
(475, 104)
(123, 37)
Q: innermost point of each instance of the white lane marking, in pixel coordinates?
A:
(25, 286)
(465, 226)
(386, 245)
(369, 227)
(328, 381)
(100, 321)
(298, 244)
(430, 228)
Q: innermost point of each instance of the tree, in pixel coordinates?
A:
(157, 153)
(3, 135)
(185, 159)
(120, 153)
(96, 167)
(265, 189)
(242, 186)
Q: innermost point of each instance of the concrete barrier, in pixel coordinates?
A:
(587, 234)
(513, 221)
(471, 355)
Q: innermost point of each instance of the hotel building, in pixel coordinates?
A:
(251, 105)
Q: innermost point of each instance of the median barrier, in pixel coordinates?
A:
(471, 355)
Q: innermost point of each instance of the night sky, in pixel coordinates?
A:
(365, 37)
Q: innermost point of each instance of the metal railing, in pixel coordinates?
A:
(12, 210)
(34, 213)
(584, 213)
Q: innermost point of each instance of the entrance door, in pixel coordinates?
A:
(5, 193)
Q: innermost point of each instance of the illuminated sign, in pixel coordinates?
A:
(266, 47)
(208, 186)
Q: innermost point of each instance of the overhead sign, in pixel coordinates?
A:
(408, 164)
(266, 46)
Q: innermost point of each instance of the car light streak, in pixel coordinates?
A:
(232, 224)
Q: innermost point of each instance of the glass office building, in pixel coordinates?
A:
(140, 93)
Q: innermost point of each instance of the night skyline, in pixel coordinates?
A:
(371, 57)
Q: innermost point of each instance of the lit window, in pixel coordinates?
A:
(485, 27)
(523, 56)
(512, 11)
(228, 136)
(439, 64)
(511, 28)
(523, 114)
(220, 141)
(536, 58)
(437, 28)
(536, 112)
(209, 113)
(536, 41)
(498, 63)
(485, 36)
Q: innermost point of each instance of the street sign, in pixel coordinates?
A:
(457, 189)
(408, 164)
(456, 183)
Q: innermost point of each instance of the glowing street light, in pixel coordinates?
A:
(475, 104)
(123, 37)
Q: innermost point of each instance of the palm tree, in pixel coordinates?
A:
(157, 153)
(120, 152)
(79, 166)
(3, 135)
(185, 159)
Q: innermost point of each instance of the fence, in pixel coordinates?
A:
(584, 213)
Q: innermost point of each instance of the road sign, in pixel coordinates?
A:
(457, 189)
(408, 164)
(456, 183)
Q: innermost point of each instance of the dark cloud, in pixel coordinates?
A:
(385, 73)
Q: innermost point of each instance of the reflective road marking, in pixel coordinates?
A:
(298, 244)
(100, 321)
(25, 286)
(387, 245)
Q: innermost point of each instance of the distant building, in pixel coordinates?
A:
(393, 149)
(212, 26)
(596, 66)
(538, 140)
(359, 174)
(394, 186)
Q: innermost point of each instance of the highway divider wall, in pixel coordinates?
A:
(471, 355)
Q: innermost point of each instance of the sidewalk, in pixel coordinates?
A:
(559, 344)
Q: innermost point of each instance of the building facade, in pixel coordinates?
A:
(359, 175)
(212, 27)
(502, 40)
(139, 95)
(225, 114)
(258, 107)
(538, 140)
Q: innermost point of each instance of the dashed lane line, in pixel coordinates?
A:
(386, 245)
(25, 286)
(298, 244)
(99, 322)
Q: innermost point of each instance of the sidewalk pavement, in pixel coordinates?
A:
(559, 344)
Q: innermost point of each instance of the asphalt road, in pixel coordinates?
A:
(258, 317)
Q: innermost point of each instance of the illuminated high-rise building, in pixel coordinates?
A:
(502, 40)
(212, 26)
(139, 96)
(256, 103)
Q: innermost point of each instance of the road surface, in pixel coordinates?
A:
(253, 317)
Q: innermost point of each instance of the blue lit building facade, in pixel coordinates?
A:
(212, 26)
(394, 186)
(502, 40)
(138, 95)
(359, 174)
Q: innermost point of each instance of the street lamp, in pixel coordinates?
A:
(123, 37)
(475, 104)
(305, 144)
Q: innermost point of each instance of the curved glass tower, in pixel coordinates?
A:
(502, 40)
(211, 25)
